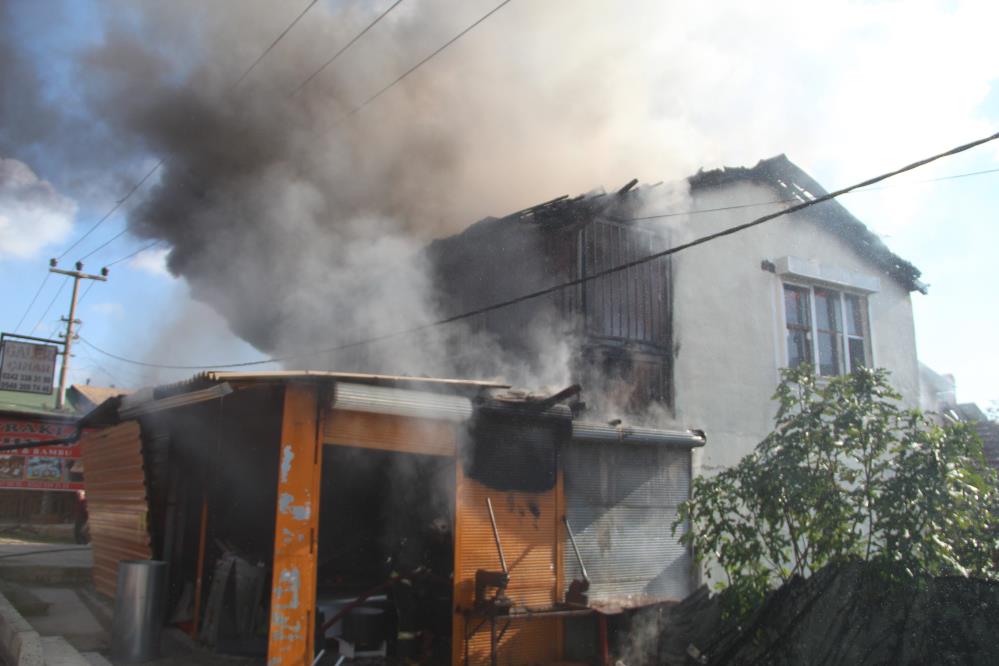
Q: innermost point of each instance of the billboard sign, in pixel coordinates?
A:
(55, 467)
(27, 367)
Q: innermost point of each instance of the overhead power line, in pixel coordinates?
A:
(274, 43)
(142, 249)
(350, 113)
(892, 186)
(571, 283)
(118, 204)
(85, 292)
(346, 46)
(48, 307)
(423, 62)
(32, 303)
(122, 201)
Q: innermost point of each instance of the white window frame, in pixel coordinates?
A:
(813, 337)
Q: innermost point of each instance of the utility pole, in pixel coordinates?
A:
(77, 275)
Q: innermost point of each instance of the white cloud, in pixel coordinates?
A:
(112, 309)
(153, 262)
(32, 213)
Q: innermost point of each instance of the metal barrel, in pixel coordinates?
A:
(139, 610)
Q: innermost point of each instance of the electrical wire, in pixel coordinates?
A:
(367, 101)
(32, 303)
(571, 283)
(132, 254)
(51, 303)
(780, 201)
(273, 44)
(86, 291)
(160, 162)
(344, 48)
(430, 57)
(105, 243)
(111, 212)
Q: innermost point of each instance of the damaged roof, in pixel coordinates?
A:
(212, 378)
(787, 178)
(84, 397)
(779, 173)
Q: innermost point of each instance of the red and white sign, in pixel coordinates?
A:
(55, 467)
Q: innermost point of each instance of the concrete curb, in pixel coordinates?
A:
(42, 574)
(58, 652)
(20, 644)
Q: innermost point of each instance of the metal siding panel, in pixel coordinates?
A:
(116, 500)
(401, 402)
(621, 502)
(528, 528)
(603, 433)
(389, 433)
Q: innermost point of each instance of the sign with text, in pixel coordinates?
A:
(55, 467)
(27, 367)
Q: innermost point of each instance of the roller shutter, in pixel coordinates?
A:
(621, 501)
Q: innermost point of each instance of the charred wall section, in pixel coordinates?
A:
(619, 327)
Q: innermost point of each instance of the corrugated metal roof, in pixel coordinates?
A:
(604, 433)
(362, 378)
(211, 378)
(356, 397)
(85, 397)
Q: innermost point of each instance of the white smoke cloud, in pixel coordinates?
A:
(32, 213)
(109, 309)
(152, 261)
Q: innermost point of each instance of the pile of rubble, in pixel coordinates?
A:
(847, 614)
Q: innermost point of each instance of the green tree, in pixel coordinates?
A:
(846, 473)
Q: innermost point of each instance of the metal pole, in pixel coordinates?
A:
(575, 548)
(61, 393)
(77, 275)
(499, 546)
(493, 656)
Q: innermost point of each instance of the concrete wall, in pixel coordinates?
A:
(729, 320)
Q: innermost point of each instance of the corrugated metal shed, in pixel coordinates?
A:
(116, 501)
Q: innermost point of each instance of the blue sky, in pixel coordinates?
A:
(908, 79)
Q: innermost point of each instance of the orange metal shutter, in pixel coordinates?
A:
(116, 500)
(388, 432)
(528, 527)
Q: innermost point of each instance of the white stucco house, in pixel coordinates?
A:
(697, 338)
(815, 286)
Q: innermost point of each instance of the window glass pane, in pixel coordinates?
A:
(799, 350)
(827, 310)
(796, 305)
(828, 354)
(854, 315)
(858, 355)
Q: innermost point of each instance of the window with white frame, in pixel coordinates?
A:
(826, 328)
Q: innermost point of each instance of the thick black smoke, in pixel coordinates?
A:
(301, 222)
